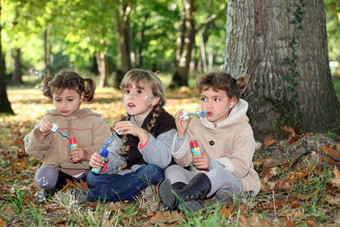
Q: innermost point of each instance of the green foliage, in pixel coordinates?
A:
(333, 28)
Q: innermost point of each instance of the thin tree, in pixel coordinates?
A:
(5, 106)
(187, 31)
(282, 47)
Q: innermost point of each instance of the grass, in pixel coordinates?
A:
(336, 83)
(303, 195)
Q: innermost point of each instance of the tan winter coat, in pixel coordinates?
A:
(231, 143)
(86, 126)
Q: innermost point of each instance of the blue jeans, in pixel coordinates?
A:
(115, 187)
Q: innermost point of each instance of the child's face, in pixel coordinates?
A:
(216, 104)
(67, 101)
(139, 101)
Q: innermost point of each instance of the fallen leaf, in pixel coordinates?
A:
(331, 152)
(294, 139)
(227, 211)
(336, 179)
(288, 130)
(268, 142)
(18, 142)
(293, 213)
(167, 218)
(307, 197)
(3, 222)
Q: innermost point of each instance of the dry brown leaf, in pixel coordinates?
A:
(251, 222)
(18, 142)
(3, 222)
(294, 213)
(294, 139)
(18, 167)
(307, 197)
(331, 152)
(336, 179)
(290, 131)
(310, 222)
(8, 210)
(268, 142)
(227, 211)
(309, 134)
(297, 176)
(167, 217)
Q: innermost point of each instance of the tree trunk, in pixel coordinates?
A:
(185, 43)
(16, 75)
(282, 47)
(122, 22)
(5, 106)
(48, 50)
(103, 68)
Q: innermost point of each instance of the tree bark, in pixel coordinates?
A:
(185, 43)
(16, 75)
(5, 106)
(122, 21)
(48, 50)
(282, 47)
(103, 68)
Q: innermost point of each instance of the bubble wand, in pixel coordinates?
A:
(55, 129)
(198, 113)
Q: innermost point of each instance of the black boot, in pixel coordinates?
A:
(190, 206)
(178, 186)
(197, 189)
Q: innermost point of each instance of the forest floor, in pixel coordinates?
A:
(300, 178)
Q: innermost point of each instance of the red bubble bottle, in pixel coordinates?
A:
(73, 144)
(195, 148)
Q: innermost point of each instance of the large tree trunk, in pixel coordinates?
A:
(282, 47)
(122, 22)
(16, 75)
(103, 68)
(185, 43)
(5, 106)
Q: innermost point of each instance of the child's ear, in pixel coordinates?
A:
(232, 102)
(155, 100)
(82, 97)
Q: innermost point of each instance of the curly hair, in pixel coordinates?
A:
(223, 81)
(70, 80)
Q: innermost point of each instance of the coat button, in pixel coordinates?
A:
(211, 142)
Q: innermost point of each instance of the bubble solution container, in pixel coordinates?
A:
(73, 144)
(103, 152)
(195, 149)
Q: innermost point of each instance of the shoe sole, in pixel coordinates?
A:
(168, 198)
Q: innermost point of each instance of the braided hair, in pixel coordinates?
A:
(142, 78)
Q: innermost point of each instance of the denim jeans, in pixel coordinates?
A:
(115, 187)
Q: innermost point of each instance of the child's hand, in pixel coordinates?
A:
(45, 129)
(78, 154)
(127, 127)
(96, 160)
(181, 124)
(202, 161)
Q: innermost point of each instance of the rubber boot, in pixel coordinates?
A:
(163, 188)
(197, 189)
(190, 206)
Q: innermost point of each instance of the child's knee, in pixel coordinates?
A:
(46, 177)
